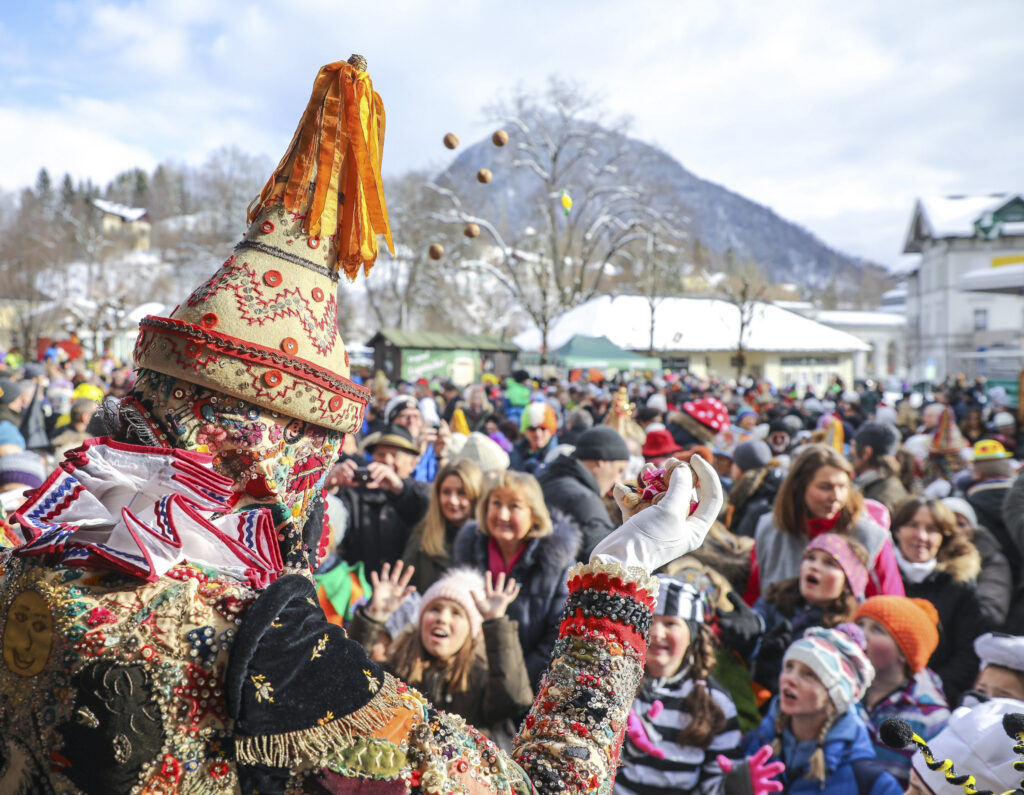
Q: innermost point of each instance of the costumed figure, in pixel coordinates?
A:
(159, 624)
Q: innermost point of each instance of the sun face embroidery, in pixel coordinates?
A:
(264, 690)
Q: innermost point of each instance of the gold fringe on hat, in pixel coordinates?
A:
(317, 743)
(334, 158)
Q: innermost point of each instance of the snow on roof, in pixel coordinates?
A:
(954, 216)
(120, 210)
(1006, 278)
(841, 317)
(690, 324)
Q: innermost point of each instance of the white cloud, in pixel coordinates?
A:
(837, 116)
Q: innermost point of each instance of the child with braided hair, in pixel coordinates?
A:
(681, 717)
(812, 725)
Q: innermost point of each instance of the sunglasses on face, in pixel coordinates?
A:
(536, 428)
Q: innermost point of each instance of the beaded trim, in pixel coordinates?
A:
(615, 569)
(620, 609)
(238, 348)
(280, 253)
(319, 743)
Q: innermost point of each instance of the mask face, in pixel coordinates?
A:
(272, 458)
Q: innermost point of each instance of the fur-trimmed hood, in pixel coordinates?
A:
(964, 567)
(550, 554)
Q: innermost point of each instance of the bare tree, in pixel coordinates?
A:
(550, 259)
(405, 285)
(26, 251)
(745, 287)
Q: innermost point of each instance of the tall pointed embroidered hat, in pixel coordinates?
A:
(264, 327)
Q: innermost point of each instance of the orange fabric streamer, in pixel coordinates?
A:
(335, 157)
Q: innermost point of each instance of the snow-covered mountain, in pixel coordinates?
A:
(718, 217)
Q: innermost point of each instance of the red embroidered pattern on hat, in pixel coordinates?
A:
(256, 308)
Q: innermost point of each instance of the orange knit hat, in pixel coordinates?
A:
(913, 624)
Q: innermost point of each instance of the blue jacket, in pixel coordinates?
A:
(846, 743)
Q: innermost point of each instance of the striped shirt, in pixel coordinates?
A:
(685, 768)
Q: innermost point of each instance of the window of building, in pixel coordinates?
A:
(980, 319)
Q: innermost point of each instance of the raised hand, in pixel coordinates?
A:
(741, 626)
(390, 588)
(659, 534)
(498, 595)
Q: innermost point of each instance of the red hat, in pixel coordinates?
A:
(710, 412)
(913, 624)
(659, 443)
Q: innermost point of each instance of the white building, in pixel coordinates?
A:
(701, 335)
(884, 333)
(965, 296)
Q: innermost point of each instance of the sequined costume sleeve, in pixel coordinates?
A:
(571, 738)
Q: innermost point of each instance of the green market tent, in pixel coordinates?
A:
(600, 353)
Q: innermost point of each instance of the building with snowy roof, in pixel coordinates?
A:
(129, 225)
(965, 295)
(701, 335)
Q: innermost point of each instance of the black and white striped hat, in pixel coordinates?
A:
(679, 599)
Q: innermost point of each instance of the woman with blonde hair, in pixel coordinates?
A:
(514, 535)
(453, 498)
(818, 497)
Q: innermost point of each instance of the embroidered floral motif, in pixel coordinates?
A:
(320, 646)
(372, 681)
(264, 690)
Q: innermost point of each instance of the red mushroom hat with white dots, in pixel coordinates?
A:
(710, 412)
(264, 328)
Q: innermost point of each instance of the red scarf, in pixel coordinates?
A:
(815, 527)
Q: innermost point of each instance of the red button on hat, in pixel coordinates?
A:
(336, 402)
(210, 319)
(272, 278)
(313, 242)
(267, 227)
(193, 349)
(318, 294)
(273, 378)
(289, 345)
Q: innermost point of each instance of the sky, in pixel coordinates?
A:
(835, 115)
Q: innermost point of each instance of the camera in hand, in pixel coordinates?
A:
(361, 475)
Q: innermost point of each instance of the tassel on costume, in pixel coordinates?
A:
(334, 159)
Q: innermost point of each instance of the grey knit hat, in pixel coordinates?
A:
(751, 455)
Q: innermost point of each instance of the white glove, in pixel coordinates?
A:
(664, 531)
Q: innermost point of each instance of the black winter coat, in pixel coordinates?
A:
(952, 590)
(569, 487)
(542, 573)
(379, 522)
(522, 459)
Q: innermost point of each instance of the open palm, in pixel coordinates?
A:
(390, 588)
(499, 593)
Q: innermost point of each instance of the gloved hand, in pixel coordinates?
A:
(741, 626)
(761, 774)
(662, 532)
(776, 641)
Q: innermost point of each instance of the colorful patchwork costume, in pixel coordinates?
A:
(159, 625)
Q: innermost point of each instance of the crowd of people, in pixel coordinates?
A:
(882, 538)
(867, 563)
